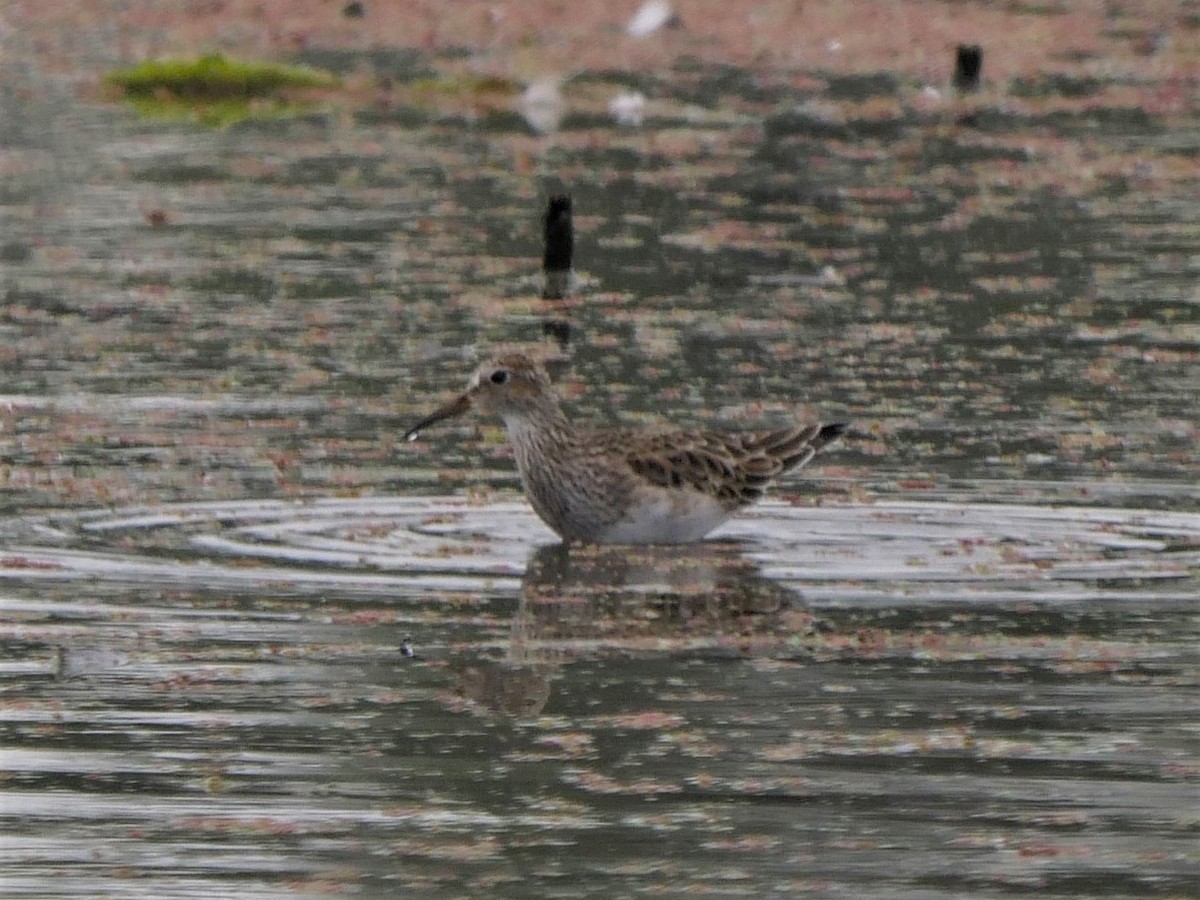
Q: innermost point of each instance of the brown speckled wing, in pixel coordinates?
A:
(736, 468)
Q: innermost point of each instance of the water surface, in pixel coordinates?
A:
(969, 670)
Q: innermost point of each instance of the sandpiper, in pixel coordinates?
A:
(626, 485)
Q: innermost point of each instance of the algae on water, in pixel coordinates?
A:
(217, 90)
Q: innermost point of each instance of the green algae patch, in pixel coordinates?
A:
(216, 90)
(216, 77)
(469, 90)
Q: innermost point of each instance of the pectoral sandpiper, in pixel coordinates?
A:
(627, 485)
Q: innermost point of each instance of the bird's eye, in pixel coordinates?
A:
(500, 376)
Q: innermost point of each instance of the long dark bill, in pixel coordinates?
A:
(455, 407)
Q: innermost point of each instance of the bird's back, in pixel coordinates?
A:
(735, 467)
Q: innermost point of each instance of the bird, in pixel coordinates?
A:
(639, 485)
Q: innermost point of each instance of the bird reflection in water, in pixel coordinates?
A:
(587, 601)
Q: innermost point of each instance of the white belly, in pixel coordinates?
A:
(664, 516)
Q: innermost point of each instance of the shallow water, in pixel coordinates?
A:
(995, 697)
(971, 669)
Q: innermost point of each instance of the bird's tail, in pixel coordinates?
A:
(795, 446)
